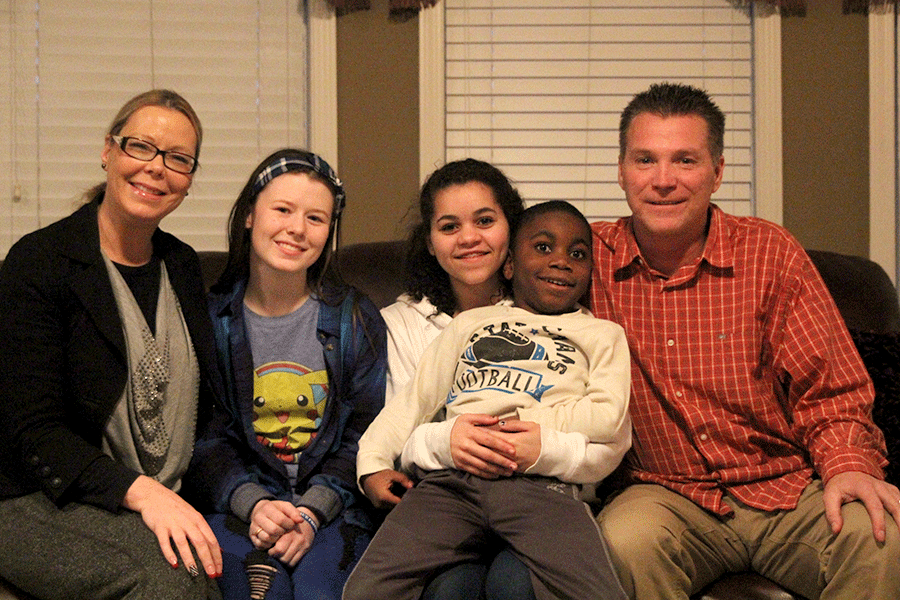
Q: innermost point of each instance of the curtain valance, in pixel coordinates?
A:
(788, 8)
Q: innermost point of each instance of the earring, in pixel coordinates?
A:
(103, 165)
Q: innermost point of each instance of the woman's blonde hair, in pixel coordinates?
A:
(162, 98)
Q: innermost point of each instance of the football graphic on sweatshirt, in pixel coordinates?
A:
(506, 345)
(505, 357)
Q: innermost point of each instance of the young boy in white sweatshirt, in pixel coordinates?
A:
(543, 360)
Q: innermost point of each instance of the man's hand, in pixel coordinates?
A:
(378, 487)
(876, 495)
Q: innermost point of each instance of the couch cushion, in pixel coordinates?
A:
(375, 268)
(212, 263)
(861, 289)
(744, 586)
(881, 355)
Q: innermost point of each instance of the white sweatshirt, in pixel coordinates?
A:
(568, 373)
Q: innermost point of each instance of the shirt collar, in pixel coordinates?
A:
(619, 239)
(718, 250)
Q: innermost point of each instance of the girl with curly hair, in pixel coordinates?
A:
(455, 257)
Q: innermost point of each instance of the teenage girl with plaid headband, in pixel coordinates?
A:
(304, 360)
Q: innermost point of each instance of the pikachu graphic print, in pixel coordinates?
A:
(288, 404)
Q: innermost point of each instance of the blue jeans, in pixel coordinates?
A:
(504, 578)
(320, 574)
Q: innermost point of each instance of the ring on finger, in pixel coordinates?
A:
(258, 531)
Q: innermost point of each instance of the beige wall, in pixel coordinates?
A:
(378, 121)
(826, 123)
(825, 81)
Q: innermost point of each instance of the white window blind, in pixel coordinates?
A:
(537, 88)
(71, 65)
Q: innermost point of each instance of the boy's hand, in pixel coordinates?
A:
(525, 436)
(475, 447)
(379, 487)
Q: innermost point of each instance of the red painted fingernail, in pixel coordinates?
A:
(175, 565)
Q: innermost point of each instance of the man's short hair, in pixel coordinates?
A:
(676, 99)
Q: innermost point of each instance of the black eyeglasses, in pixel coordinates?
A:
(141, 150)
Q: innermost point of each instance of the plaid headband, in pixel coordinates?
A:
(311, 162)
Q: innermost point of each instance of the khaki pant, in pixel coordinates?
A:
(665, 546)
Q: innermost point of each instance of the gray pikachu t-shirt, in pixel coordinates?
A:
(290, 382)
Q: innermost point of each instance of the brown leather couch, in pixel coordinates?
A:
(864, 294)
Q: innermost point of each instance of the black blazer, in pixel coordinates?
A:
(63, 362)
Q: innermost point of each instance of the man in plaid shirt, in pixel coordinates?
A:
(754, 446)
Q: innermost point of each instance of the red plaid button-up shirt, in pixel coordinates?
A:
(744, 376)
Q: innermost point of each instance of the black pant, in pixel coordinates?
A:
(448, 519)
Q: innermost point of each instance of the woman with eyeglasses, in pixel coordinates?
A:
(107, 355)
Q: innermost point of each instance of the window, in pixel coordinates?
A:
(537, 89)
(70, 66)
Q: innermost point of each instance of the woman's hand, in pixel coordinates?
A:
(174, 521)
(270, 520)
(294, 544)
(291, 547)
(477, 447)
(380, 487)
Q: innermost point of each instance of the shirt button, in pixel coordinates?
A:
(703, 437)
(678, 394)
(329, 347)
(45, 471)
(34, 460)
(55, 482)
(670, 343)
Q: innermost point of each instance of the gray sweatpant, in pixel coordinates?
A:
(447, 518)
(81, 551)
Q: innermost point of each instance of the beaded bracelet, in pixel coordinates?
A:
(311, 522)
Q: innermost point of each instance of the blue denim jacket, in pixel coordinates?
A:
(228, 454)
